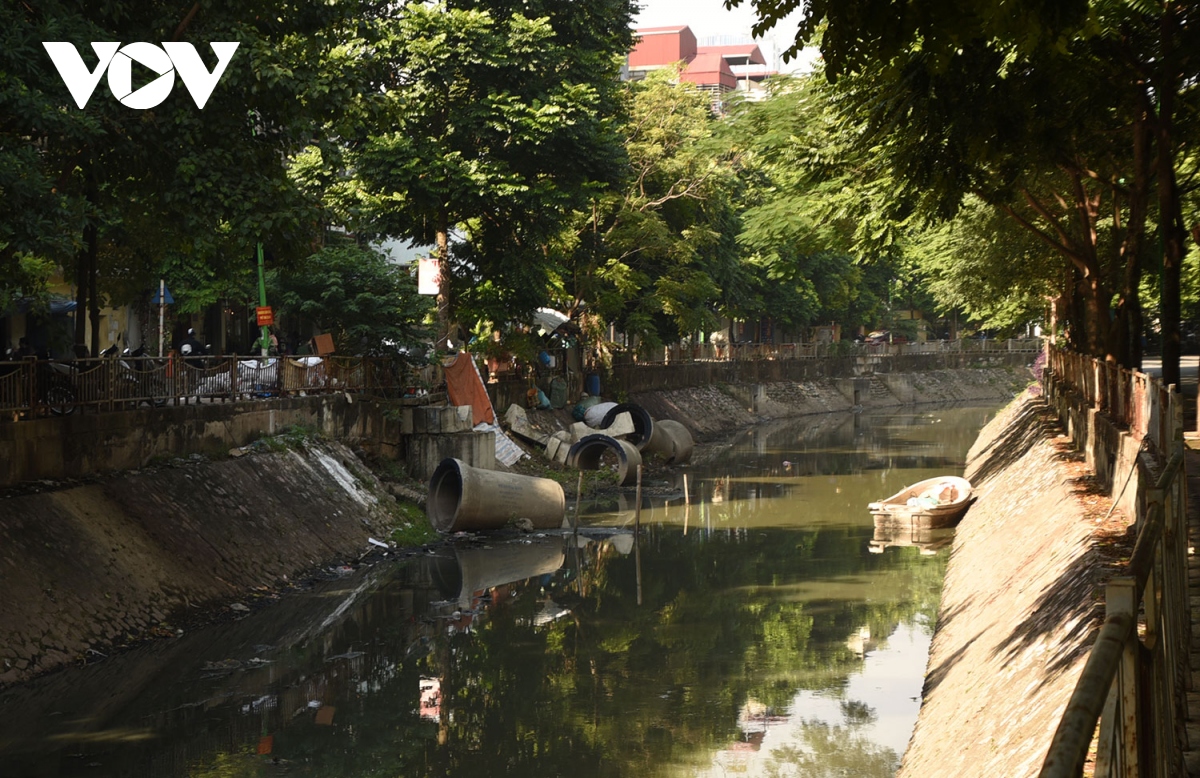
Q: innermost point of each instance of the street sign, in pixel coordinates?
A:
(266, 317)
(162, 295)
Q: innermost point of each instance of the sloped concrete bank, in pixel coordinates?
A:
(716, 409)
(98, 565)
(1018, 612)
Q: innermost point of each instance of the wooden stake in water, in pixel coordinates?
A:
(578, 496)
(575, 537)
(637, 510)
(687, 504)
(637, 535)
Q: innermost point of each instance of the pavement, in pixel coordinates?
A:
(1189, 374)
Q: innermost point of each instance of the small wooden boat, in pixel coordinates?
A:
(934, 502)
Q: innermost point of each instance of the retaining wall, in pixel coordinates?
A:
(88, 444)
(627, 380)
(1017, 615)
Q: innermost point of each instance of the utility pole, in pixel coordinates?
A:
(265, 343)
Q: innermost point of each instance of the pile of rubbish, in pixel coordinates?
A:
(625, 429)
(464, 498)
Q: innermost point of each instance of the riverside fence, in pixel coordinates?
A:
(1130, 699)
(30, 387)
(710, 352)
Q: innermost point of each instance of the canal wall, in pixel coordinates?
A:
(629, 380)
(1018, 612)
(717, 409)
(92, 567)
(83, 445)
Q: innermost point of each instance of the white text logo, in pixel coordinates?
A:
(118, 61)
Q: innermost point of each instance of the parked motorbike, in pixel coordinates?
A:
(140, 378)
(52, 388)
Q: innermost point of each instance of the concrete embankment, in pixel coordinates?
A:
(1018, 612)
(95, 566)
(715, 409)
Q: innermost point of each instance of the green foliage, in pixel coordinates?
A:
(852, 35)
(987, 267)
(494, 122)
(367, 303)
(659, 258)
(172, 191)
(294, 437)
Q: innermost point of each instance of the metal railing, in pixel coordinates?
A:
(1134, 681)
(710, 352)
(1127, 396)
(30, 388)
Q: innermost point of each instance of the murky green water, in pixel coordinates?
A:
(758, 627)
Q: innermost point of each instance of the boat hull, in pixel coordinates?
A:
(898, 512)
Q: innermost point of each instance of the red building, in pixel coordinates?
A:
(717, 69)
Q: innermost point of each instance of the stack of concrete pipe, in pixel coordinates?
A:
(667, 438)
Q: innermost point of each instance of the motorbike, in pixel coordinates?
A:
(53, 387)
(140, 378)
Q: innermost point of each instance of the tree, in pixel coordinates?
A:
(810, 221)
(648, 257)
(1138, 56)
(117, 190)
(492, 124)
(368, 304)
(985, 266)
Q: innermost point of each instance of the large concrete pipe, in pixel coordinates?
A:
(462, 497)
(586, 455)
(594, 416)
(670, 440)
(643, 425)
(474, 570)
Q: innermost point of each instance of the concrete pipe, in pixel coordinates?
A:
(586, 455)
(594, 416)
(462, 497)
(643, 425)
(670, 440)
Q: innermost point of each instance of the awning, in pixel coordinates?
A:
(58, 305)
(549, 319)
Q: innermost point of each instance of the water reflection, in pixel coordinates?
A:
(750, 628)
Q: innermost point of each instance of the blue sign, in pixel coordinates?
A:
(169, 299)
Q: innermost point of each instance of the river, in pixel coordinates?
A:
(757, 626)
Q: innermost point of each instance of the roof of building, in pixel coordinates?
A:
(748, 50)
(658, 30)
(710, 69)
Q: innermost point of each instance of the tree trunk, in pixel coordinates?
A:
(445, 303)
(93, 250)
(1170, 215)
(1130, 245)
(81, 288)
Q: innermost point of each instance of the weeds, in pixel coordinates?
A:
(414, 529)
